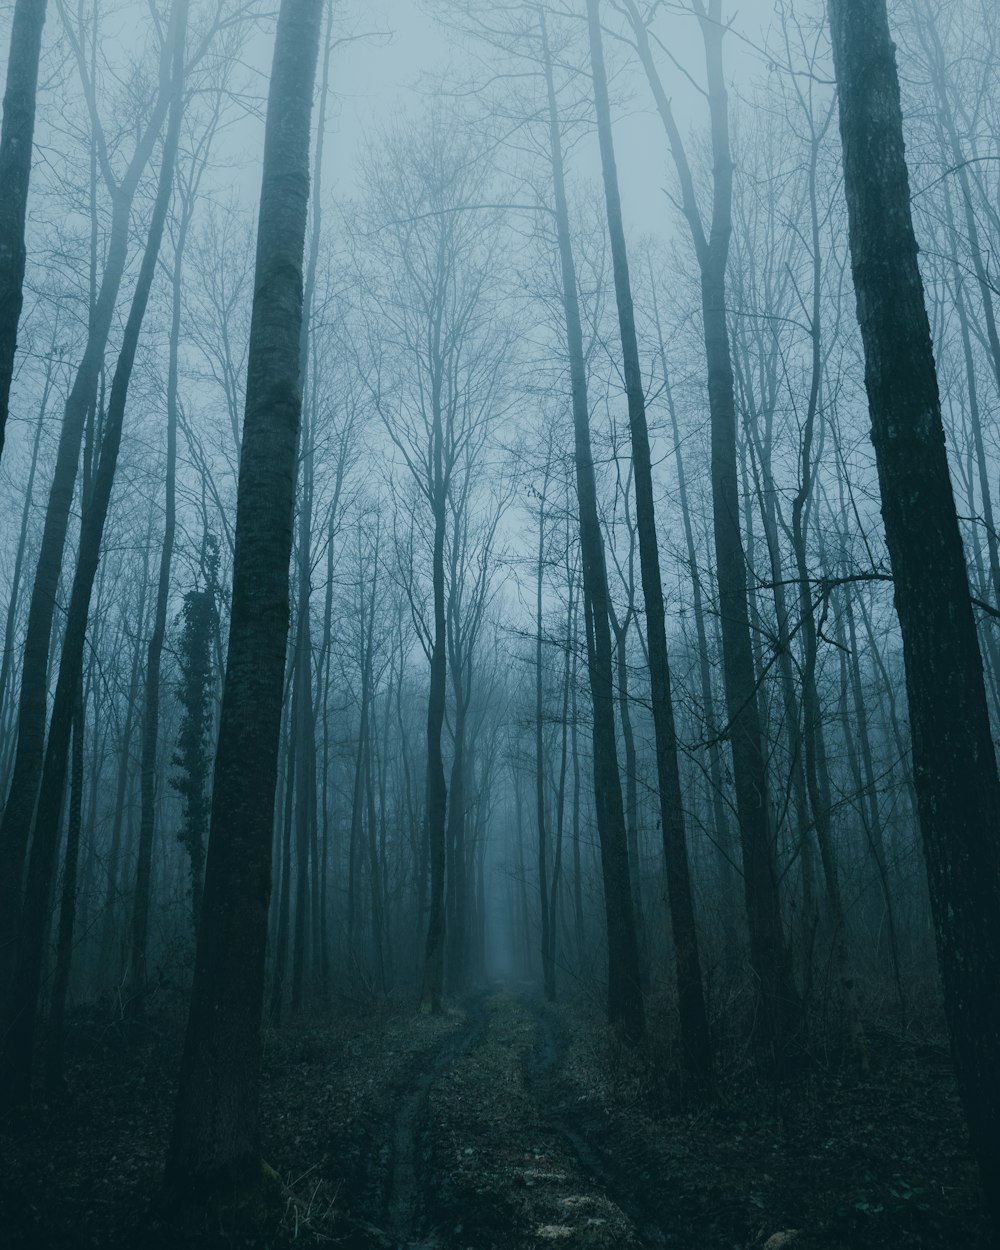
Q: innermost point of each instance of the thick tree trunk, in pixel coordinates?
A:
(16, 135)
(215, 1146)
(954, 765)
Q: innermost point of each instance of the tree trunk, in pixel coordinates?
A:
(695, 1042)
(6, 665)
(215, 1146)
(16, 136)
(816, 770)
(779, 1004)
(111, 963)
(437, 790)
(954, 765)
(281, 926)
(151, 718)
(625, 1004)
(23, 1005)
(15, 829)
(458, 871)
(67, 912)
(720, 823)
(548, 964)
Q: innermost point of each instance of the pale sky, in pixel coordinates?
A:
(377, 78)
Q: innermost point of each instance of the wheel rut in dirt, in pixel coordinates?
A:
(405, 1216)
(501, 1175)
(580, 1130)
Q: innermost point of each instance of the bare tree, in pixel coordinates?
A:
(16, 135)
(215, 1147)
(954, 764)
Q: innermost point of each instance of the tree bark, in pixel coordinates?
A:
(720, 823)
(695, 1042)
(67, 912)
(777, 996)
(548, 963)
(29, 757)
(437, 790)
(22, 1008)
(151, 717)
(16, 135)
(215, 1145)
(625, 1003)
(954, 765)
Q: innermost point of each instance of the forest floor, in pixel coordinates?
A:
(512, 1123)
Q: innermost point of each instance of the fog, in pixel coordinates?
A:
(500, 591)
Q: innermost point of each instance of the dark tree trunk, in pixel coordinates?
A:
(215, 1146)
(67, 912)
(695, 1042)
(816, 770)
(557, 859)
(301, 774)
(548, 963)
(151, 712)
(374, 860)
(16, 137)
(279, 940)
(305, 726)
(458, 868)
(15, 829)
(720, 823)
(437, 790)
(6, 665)
(300, 777)
(23, 1003)
(578, 926)
(954, 765)
(779, 1004)
(110, 964)
(625, 1004)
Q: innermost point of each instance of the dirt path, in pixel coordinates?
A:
(582, 1130)
(501, 1171)
(404, 1201)
(467, 1150)
(509, 1124)
(525, 1125)
(495, 1126)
